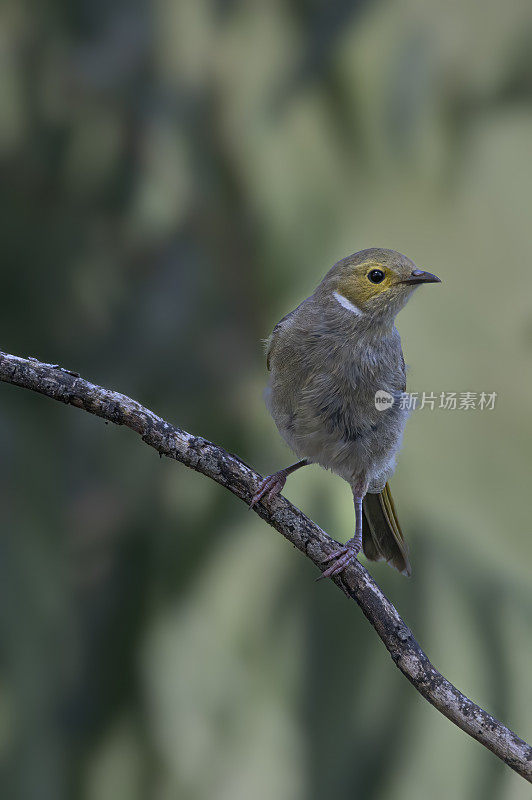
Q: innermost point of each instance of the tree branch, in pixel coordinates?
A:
(229, 471)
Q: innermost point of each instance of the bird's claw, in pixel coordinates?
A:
(341, 559)
(270, 486)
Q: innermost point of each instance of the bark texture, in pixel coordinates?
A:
(231, 472)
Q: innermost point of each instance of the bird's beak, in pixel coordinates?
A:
(420, 276)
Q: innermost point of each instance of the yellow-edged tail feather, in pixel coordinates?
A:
(382, 537)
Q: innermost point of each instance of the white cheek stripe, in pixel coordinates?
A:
(347, 304)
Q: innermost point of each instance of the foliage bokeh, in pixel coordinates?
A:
(176, 177)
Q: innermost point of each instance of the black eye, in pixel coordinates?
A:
(376, 275)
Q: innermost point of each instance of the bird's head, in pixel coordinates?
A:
(375, 283)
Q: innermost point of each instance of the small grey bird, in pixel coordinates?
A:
(330, 361)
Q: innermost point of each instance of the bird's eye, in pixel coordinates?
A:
(376, 275)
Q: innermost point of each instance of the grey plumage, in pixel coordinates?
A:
(325, 371)
(327, 359)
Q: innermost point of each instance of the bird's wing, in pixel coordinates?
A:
(272, 341)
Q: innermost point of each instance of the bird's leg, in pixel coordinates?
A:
(273, 484)
(344, 555)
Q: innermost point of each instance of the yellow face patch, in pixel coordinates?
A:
(358, 288)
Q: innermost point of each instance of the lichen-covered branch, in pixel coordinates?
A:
(229, 471)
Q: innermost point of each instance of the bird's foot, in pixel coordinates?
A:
(270, 486)
(341, 559)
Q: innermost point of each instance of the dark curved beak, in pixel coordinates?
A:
(420, 276)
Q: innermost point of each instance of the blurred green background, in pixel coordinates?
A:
(176, 176)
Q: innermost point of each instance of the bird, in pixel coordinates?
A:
(336, 393)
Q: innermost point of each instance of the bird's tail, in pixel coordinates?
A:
(382, 538)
